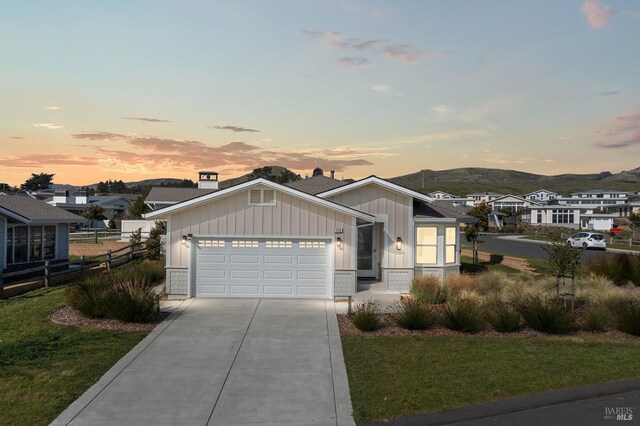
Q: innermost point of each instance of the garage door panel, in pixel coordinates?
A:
(244, 274)
(213, 273)
(244, 290)
(245, 258)
(312, 260)
(278, 275)
(312, 275)
(278, 290)
(268, 267)
(278, 259)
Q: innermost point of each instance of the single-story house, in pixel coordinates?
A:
(260, 238)
(32, 231)
(114, 205)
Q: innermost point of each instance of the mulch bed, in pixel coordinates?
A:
(389, 328)
(69, 316)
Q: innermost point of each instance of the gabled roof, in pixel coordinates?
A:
(540, 190)
(495, 194)
(516, 197)
(26, 209)
(163, 212)
(316, 184)
(378, 181)
(440, 209)
(163, 195)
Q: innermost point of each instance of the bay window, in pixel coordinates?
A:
(451, 236)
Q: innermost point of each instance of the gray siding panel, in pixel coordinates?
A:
(62, 243)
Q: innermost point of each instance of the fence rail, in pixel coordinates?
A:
(45, 273)
(94, 235)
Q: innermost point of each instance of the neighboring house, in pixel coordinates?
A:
(260, 238)
(160, 196)
(32, 231)
(441, 195)
(624, 210)
(601, 193)
(541, 196)
(482, 197)
(114, 205)
(512, 202)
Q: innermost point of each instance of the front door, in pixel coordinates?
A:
(367, 259)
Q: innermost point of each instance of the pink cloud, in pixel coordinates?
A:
(625, 132)
(597, 14)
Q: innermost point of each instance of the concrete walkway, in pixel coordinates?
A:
(227, 362)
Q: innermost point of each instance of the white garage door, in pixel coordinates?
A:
(263, 267)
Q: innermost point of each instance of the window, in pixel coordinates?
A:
(36, 243)
(244, 244)
(562, 216)
(539, 216)
(451, 236)
(311, 244)
(262, 197)
(21, 244)
(427, 245)
(49, 242)
(211, 243)
(278, 244)
(10, 245)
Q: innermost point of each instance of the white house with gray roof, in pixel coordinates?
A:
(263, 239)
(32, 231)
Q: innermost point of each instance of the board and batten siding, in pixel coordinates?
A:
(376, 200)
(62, 241)
(233, 216)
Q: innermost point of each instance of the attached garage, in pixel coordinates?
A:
(263, 267)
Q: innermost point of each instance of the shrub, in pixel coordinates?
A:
(455, 284)
(154, 242)
(412, 315)
(147, 272)
(132, 301)
(621, 268)
(90, 294)
(462, 314)
(595, 317)
(626, 315)
(547, 314)
(428, 289)
(503, 317)
(366, 316)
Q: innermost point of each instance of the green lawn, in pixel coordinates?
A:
(45, 366)
(466, 263)
(401, 375)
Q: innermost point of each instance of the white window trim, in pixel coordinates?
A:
(454, 244)
(436, 245)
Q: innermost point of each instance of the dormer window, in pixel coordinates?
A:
(262, 197)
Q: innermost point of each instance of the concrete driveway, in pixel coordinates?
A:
(228, 362)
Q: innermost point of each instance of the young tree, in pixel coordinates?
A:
(93, 212)
(137, 209)
(472, 230)
(38, 182)
(154, 242)
(635, 219)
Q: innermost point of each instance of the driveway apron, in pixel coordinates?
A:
(227, 362)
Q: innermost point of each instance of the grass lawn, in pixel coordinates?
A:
(45, 366)
(467, 264)
(402, 375)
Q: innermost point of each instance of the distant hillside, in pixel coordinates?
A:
(474, 179)
(464, 181)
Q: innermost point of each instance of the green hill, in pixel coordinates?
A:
(474, 179)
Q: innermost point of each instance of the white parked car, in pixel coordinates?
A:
(587, 240)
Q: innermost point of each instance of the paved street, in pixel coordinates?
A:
(227, 362)
(497, 243)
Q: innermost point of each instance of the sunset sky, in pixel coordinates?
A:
(131, 90)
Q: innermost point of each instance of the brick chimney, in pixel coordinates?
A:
(207, 180)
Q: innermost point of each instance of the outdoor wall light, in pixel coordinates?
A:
(399, 243)
(339, 242)
(184, 240)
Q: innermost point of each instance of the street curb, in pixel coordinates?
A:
(512, 405)
(344, 410)
(76, 407)
(526, 240)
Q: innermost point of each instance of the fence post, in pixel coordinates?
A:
(1, 285)
(108, 260)
(610, 240)
(95, 236)
(47, 271)
(131, 253)
(630, 242)
(82, 263)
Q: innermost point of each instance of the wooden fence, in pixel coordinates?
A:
(58, 273)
